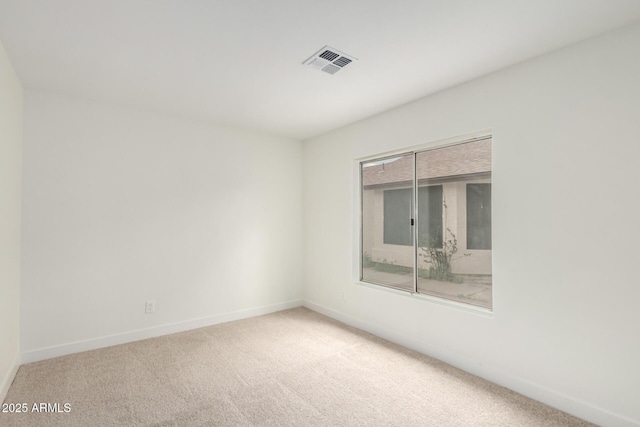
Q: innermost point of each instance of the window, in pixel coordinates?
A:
(426, 222)
(430, 204)
(478, 216)
(387, 211)
(397, 213)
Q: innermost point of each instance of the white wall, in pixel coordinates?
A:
(11, 97)
(566, 188)
(122, 205)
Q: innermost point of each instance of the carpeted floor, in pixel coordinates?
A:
(292, 368)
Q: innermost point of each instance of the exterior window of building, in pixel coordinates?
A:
(398, 211)
(430, 204)
(478, 216)
(428, 230)
(397, 214)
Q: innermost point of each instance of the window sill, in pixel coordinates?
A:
(481, 311)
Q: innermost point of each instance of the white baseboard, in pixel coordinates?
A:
(8, 379)
(523, 386)
(156, 331)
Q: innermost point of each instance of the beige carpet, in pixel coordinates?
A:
(292, 368)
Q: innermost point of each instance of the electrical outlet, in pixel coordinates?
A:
(150, 306)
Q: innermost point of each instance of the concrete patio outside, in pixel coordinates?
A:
(471, 291)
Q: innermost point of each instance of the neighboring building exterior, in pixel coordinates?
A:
(453, 197)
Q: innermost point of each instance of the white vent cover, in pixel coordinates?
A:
(329, 60)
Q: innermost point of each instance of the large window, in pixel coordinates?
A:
(426, 222)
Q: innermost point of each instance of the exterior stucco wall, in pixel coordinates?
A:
(454, 218)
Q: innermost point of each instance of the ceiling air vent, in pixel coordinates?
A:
(329, 60)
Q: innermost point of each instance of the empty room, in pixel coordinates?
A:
(333, 213)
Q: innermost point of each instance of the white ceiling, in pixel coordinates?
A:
(239, 62)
